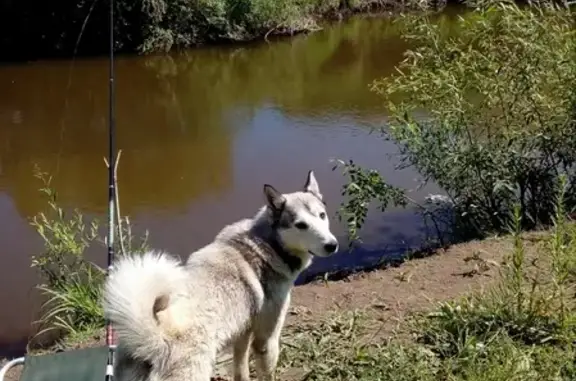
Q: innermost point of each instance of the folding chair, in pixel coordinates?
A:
(87, 364)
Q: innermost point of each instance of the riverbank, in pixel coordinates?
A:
(157, 26)
(376, 324)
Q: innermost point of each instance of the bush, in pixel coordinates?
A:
(71, 283)
(182, 23)
(487, 113)
(69, 28)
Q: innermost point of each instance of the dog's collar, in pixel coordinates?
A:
(293, 262)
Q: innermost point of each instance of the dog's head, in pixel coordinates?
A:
(301, 220)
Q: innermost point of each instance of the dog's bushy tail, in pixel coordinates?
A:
(138, 289)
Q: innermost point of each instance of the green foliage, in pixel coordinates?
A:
(364, 187)
(488, 113)
(71, 283)
(81, 27)
(339, 349)
(74, 306)
(532, 305)
(180, 23)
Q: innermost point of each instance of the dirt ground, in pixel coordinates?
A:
(416, 285)
(393, 293)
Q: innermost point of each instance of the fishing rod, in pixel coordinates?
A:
(110, 339)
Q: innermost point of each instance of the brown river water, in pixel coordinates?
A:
(201, 132)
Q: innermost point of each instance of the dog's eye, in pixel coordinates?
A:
(301, 225)
(322, 216)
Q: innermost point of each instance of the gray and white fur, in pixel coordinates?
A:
(172, 318)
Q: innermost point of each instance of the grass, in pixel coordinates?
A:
(71, 284)
(521, 328)
(75, 306)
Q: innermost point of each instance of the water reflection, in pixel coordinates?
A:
(200, 131)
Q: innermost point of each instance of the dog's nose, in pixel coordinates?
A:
(331, 247)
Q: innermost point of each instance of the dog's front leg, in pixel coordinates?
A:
(266, 343)
(241, 353)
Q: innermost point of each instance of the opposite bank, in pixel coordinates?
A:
(32, 29)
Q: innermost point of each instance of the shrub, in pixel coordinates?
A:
(487, 113)
(69, 28)
(71, 283)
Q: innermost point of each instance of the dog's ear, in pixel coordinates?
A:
(274, 198)
(312, 185)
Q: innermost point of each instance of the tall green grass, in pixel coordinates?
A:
(71, 284)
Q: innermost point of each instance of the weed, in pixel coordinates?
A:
(71, 284)
(486, 113)
(339, 348)
(528, 307)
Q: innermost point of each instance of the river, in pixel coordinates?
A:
(201, 131)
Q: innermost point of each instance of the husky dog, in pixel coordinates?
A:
(172, 318)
